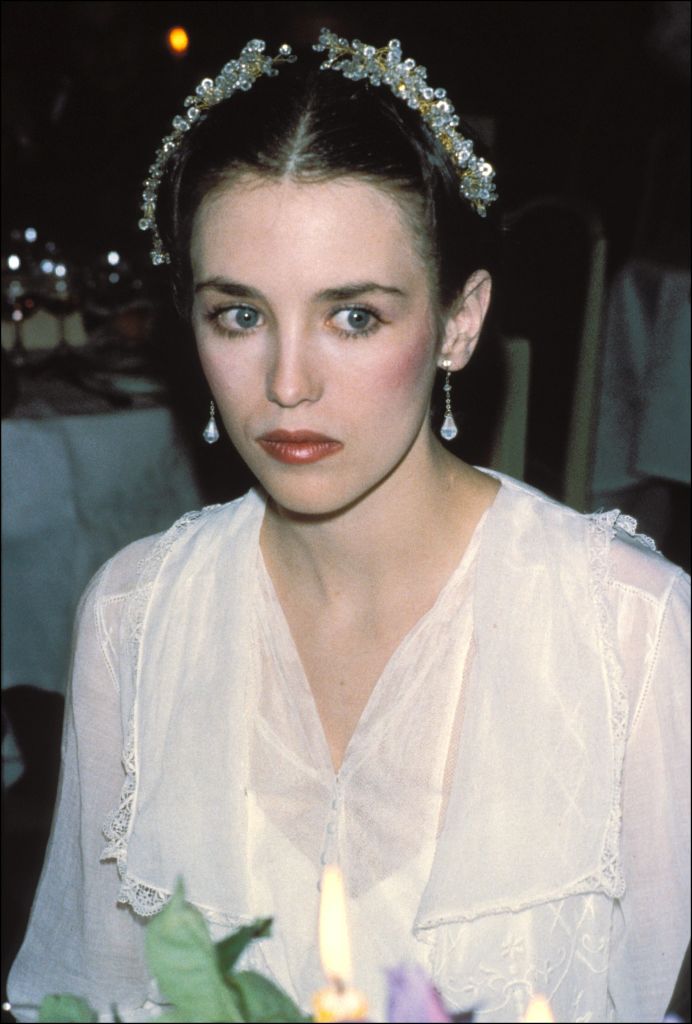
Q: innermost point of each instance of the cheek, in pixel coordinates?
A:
(213, 370)
(226, 374)
(411, 372)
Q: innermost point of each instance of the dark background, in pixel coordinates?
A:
(578, 92)
(588, 102)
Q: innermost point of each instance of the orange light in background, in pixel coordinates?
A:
(177, 40)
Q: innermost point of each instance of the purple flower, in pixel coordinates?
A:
(412, 998)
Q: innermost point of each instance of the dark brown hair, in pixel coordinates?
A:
(316, 125)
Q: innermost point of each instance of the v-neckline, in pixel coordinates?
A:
(271, 592)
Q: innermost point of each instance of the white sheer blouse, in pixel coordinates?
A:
(512, 811)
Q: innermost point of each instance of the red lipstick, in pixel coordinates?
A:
(298, 447)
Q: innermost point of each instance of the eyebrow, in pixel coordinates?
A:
(352, 290)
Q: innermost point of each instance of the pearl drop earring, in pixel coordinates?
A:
(448, 430)
(211, 431)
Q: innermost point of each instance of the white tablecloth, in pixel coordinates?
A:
(644, 415)
(75, 490)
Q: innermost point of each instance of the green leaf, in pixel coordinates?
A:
(176, 1017)
(66, 1010)
(230, 948)
(261, 1000)
(182, 958)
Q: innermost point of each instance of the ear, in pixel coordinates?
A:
(464, 324)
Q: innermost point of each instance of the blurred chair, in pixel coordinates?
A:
(553, 295)
(508, 446)
(490, 401)
(32, 718)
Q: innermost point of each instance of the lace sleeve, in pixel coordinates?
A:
(78, 940)
(652, 922)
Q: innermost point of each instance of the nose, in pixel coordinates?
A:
(293, 374)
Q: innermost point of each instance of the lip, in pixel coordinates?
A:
(298, 447)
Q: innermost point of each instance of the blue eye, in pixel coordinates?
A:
(244, 316)
(234, 320)
(356, 321)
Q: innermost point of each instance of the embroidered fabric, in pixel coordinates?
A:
(148, 900)
(572, 921)
(601, 530)
(505, 961)
(617, 520)
(145, 900)
(538, 731)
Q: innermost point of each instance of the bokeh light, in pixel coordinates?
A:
(177, 40)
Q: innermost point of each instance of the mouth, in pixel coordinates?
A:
(298, 446)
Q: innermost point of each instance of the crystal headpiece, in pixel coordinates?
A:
(408, 81)
(355, 60)
(237, 74)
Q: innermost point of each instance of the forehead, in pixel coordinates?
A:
(264, 227)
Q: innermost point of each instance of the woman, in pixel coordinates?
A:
(467, 695)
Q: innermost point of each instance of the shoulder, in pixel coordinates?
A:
(632, 558)
(643, 589)
(636, 568)
(132, 566)
(559, 543)
(118, 576)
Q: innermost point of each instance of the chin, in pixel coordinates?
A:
(326, 488)
(308, 494)
(316, 502)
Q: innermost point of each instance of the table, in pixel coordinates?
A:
(76, 489)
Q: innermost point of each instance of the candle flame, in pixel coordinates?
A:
(538, 1012)
(335, 951)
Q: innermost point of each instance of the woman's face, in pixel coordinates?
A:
(315, 327)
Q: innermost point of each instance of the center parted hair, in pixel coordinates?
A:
(313, 127)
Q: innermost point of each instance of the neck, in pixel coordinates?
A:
(420, 517)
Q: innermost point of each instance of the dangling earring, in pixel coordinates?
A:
(211, 431)
(448, 430)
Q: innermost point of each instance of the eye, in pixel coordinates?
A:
(243, 317)
(235, 319)
(356, 321)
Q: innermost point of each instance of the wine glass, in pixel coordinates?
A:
(111, 287)
(19, 303)
(58, 292)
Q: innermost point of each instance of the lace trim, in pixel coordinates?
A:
(147, 900)
(116, 827)
(602, 529)
(144, 899)
(617, 520)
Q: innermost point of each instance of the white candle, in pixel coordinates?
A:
(538, 1012)
(339, 1001)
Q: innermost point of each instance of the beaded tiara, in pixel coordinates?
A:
(355, 60)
